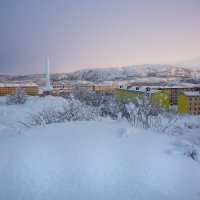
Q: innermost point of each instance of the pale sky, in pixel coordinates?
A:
(78, 34)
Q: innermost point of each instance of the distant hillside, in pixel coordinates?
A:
(137, 72)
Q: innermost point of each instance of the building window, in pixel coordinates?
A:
(190, 104)
(190, 109)
(195, 99)
(190, 99)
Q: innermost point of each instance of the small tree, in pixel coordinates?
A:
(72, 110)
(19, 97)
(192, 153)
(144, 113)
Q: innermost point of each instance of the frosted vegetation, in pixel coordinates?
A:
(139, 112)
(85, 106)
(19, 97)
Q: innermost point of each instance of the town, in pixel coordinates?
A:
(100, 100)
(184, 98)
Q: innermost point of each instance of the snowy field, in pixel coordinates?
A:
(93, 160)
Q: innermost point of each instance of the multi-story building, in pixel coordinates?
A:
(174, 90)
(161, 97)
(61, 86)
(189, 102)
(83, 87)
(61, 89)
(9, 88)
(105, 88)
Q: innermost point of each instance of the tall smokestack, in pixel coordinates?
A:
(47, 73)
(47, 87)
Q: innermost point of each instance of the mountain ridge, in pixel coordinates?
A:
(134, 73)
(130, 72)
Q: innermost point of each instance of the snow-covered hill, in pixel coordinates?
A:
(135, 73)
(96, 160)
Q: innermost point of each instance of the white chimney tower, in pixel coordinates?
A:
(47, 87)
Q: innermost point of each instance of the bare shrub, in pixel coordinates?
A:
(143, 112)
(19, 97)
(196, 141)
(72, 110)
(89, 105)
(192, 153)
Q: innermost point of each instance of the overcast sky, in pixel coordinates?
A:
(78, 34)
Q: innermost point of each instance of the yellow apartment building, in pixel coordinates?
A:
(175, 90)
(161, 97)
(105, 88)
(189, 102)
(10, 88)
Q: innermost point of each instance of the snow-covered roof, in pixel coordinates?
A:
(101, 85)
(176, 86)
(192, 93)
(18, 85)
(83, 82)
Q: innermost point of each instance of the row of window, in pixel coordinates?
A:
(195, 113)
(197, 98)
(194, 104)
(194, 109)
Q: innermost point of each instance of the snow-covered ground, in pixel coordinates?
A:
(93, 160)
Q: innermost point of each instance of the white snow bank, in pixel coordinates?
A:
(90, 160)
(11, 114)
(93, 160)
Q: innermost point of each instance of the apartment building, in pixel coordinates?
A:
(9, 88)
(62, 87)
(175, 90)
(161, 97)
(83, 87)
(105, 88)
(189, 102)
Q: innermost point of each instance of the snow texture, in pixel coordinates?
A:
(92, 160)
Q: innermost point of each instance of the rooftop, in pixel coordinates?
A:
(140, 89)
(18, 85)
(192, 93)
(176, 86)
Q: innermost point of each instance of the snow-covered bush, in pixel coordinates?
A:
(88, 105)
(72, 110)
(106, 103)
(144, 113)
(196, 141)
(92, 98)
(19, 97)
(192, 153)
(109, 108)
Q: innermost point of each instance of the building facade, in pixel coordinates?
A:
(189, 102)
(10, 88)
(175, 90)
(160, 97)
(105, 88)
